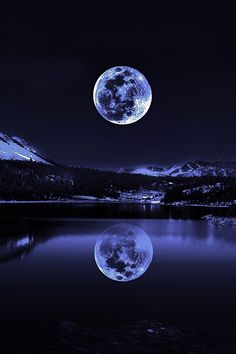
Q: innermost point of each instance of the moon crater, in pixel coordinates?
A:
(122, 95)
(123, 252)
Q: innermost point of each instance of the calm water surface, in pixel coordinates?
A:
(49, 275)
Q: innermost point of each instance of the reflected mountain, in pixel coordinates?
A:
(123, 252)
(15, 248)
(18, 238)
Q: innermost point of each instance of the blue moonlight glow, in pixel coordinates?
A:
(122, 95)
(123, 252)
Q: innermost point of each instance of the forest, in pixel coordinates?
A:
(21, 180)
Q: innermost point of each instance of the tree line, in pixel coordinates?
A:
(20, 180)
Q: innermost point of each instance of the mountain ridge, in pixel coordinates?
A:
(16, 148)
(193, 168)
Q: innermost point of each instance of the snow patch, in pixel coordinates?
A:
(18, 149)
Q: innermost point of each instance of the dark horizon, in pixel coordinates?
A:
(51, 60)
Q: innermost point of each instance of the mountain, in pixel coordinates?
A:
(195, 168)
(15, 148)
(149, 171)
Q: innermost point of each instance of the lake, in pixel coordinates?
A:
(49, 279)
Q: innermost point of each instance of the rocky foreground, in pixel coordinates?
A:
(220, 220)
(142, 337)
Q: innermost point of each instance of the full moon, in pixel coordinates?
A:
(122, 95)
(123, 252)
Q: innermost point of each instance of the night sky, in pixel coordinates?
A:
(51, 57)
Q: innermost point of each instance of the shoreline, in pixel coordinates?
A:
(111, 209)
(70, 201)
(219, 220)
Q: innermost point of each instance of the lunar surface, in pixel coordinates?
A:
(123, 252)
(122, 95)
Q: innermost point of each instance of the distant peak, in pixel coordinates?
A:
(193, 168)
(16, 148)
(23, 143)
(4, 137)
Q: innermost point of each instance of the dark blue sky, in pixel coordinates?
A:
(51, 57)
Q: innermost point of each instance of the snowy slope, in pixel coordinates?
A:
(14, 148)
(149, 171)
(195, 168)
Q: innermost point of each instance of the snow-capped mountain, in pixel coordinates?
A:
(15, 148)
(150, 171)
(195, 168)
